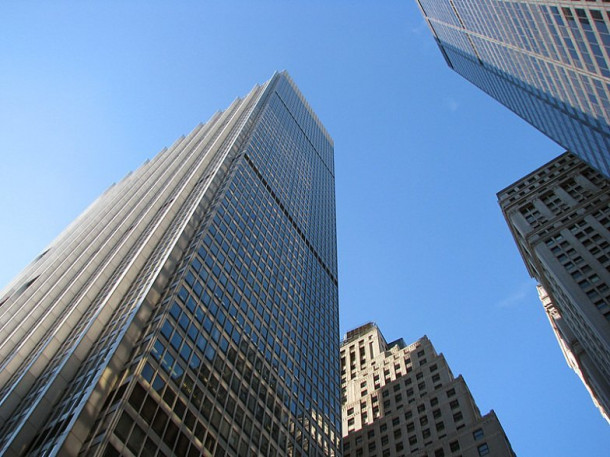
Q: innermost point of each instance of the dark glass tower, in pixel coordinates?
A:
(548, 61)
(192, 309)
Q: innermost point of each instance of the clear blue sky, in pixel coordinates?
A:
(90, 91)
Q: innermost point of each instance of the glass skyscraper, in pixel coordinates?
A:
(548, 61)
(192, 309)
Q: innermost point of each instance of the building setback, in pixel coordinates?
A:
(559, 216)
(192, 309)
(547, 61)
(402, 400)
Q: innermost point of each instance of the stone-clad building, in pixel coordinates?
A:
(559, 216)
(402, 400)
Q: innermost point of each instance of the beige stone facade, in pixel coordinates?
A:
(559, 216)
(403, 400)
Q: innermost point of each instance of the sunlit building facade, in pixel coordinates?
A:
(548, 61)
(559, 216)
(192, 309)
(402, 400)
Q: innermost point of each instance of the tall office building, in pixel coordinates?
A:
(548, 61)
(402, 400)
(559, 216)
(192, 309)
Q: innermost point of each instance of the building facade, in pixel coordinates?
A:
(559, 216)
(402, 400)
(547, 61)
(192, 309)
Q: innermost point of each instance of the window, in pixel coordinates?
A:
(440, 426)
(454, 404)
(439, 453)
(458, 416)
(450, 393)
(433, 401)
(124, 426)
(454, 446)
(426, 433)
(483, 449)
(396, 421)
(436, 413)
(478, 434)
(350, 411)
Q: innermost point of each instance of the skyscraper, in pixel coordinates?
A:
(547, 61)
(559, 216)
(192, 308)
(403, 400)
